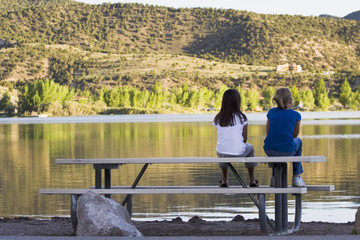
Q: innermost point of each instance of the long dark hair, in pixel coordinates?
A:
(230, 107)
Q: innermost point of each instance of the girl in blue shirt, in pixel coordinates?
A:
(282, 130)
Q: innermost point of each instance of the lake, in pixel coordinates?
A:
(30, 145)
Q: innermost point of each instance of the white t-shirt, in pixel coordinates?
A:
(230, 139)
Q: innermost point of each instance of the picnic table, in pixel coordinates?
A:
(281, 189)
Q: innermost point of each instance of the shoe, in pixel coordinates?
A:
(256, 184)
(272, 181)
(298, 182)
(223, 184)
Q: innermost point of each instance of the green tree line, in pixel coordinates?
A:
(46, 96)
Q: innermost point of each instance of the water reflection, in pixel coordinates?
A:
(28, 153)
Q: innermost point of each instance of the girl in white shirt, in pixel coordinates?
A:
(231, 126)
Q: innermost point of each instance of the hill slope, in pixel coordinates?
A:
(82, 44)
(13, 5)
(353, 16)
(234, 36)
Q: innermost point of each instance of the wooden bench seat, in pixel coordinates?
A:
(309, 187)
(320, 188)
(179, 190)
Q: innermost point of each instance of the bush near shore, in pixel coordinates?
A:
(48, 97)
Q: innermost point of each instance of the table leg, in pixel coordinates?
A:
(278, 199)
(281, 200)
(129, 205)
(284, 184)
(107, 181)
(262, 214)
(73, 206)
(107, 176)
(97, 178)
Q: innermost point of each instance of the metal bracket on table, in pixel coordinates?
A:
(128, 199)
(298, 207)
(258, 205)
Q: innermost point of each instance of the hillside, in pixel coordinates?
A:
(353, 16)
(13, 5)
(329, 16)
(113, 44)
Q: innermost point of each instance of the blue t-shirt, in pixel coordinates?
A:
(281, 129)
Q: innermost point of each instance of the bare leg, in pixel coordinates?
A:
(251, 175)
(224, 176)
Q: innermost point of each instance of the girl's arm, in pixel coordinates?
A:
(296, 129)
(244, 133)
(267, 126)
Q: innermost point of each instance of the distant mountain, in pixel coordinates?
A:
(20, 4)
(231, 36)
(329, 16)
(353, 16)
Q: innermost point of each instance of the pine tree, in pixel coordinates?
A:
(4, 101)
(253, 97)
(124, 94)
(355, 103)
(268, 94)
(307, 99)
(173, 97)
(244, 99)
(296, 96)
(320, 94)
(205, 97)
(218, 96)
(193, 101)
(157, 96)
(345, 93)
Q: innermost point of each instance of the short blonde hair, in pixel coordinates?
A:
(283, 98)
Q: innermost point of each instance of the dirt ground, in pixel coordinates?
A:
(194, 227)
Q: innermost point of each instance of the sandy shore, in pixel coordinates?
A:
(176, 227)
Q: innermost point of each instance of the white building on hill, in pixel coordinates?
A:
(288, 68)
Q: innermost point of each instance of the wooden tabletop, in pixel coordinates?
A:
(170, 160)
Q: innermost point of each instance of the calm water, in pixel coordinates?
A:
(29, 147)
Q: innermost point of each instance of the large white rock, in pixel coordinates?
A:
(356, 227)
(100, 216)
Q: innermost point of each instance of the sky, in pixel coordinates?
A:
(338, 8)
